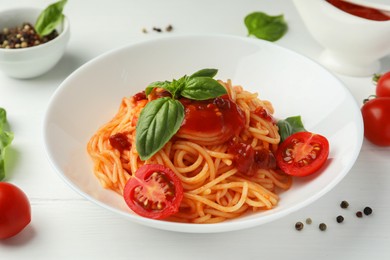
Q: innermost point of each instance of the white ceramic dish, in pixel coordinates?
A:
(352, 45)
(33, 61)
(295, 84)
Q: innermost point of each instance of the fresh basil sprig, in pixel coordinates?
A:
(49, 18)
(6, 138)
(289, 126)
(266, 27)
(161, 118)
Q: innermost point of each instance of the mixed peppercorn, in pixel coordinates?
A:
(339, 219)
(23, 36)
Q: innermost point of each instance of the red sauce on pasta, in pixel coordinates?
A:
(214, 116)
(360, 11)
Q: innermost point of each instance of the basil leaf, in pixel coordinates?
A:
(5, 140)
(159, 120)
(158, 84)
(205, 73)
(202, 88)
(266, 27)
(49, 18)
(290, 126)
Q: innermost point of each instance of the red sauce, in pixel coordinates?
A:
(219, 116)
(263, 113)
(120, 142)
(360, 11)
(248, 161)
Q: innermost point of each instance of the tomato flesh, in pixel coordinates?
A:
(376, 119)
(154, 192)
(15, 210)
(302, 153)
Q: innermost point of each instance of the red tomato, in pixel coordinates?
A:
(154, 192)
(383, 85)
(15, 211)
(376, 118)
(302, 153)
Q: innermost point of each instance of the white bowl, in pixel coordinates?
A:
(31, 61)
(352, 45)
(295, 85)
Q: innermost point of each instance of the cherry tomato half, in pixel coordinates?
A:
(302, 153)
(154, 192)
(15, 210)
(376, 118)
(383, 85)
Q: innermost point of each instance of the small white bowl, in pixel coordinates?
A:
(33, 61)
(352, 45)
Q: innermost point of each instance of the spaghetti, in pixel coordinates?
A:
(216, 185)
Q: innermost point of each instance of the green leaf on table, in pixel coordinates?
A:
(6, 138)
(266, 27)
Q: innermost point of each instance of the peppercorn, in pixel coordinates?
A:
(169, 28)
(344, 204)
(322, 226)
(367, 211)
(308, 221)
(340, 219)
(22, 37)
(359, 214)
(299, 226)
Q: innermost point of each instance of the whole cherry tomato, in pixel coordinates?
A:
(376, 118)
(154, 192)
(15, 211)
(302, 153)
(383, 85)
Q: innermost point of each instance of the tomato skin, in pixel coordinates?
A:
(302, 153)
(376, 118)
(383, 85)
(163, 188)
(15, 210)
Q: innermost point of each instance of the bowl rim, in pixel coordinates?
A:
(65, 31)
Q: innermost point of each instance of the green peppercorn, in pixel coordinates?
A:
(299, 226)
(322, 226)
(367, 211)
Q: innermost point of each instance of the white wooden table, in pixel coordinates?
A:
(66, 226)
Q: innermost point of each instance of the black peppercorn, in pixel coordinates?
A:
(299, 226)
(367, 211)
(322, 226)
(340, 219)
(344, 204)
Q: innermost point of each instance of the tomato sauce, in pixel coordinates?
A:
(219, 116)
(360, 11)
